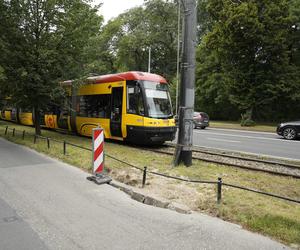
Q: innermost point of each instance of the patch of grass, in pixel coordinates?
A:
(277, 226)
(270, 127)
(275, 218)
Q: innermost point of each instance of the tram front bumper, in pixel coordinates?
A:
(144, 135)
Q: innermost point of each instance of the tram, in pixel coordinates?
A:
(131, 106)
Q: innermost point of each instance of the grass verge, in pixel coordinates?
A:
(237, 125)
(269, 216)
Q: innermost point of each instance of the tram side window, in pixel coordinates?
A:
(134, 101)
(25, 110)
(52, 109)
(96, 106)
(13, 114)
(3, 108)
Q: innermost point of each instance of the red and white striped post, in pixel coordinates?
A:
(98, 157)
(98, 150)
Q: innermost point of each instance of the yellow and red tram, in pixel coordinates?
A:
(131, 106)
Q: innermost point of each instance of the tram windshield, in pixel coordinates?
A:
(158, 100)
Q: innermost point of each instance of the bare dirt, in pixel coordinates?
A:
(191, 195)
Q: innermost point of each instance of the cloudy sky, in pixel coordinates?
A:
(112, 8)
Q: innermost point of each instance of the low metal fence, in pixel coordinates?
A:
(219, 183)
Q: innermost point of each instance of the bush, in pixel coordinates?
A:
(247, 119)
(247, 123)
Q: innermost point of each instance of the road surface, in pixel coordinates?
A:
(261, 143)
(45, 204)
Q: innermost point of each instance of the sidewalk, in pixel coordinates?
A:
(68, 212)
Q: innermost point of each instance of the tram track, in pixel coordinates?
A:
(233, 159)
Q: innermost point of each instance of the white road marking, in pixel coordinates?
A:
(297, 161)
(216, 139)
(247, 136)
(243, 131)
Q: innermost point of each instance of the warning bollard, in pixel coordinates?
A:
(98, 157)
(98, 154)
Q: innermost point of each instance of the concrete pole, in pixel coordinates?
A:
(178, 56)
(183, 152)
(149, 60)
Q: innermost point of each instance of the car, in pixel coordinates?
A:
(201, 120)
(289, 130)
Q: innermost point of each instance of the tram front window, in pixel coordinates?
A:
(135, 100)
(158, 100)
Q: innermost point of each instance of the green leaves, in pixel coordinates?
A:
(125, 41)
(41, 43)
(248, 58)
(44, 42)
(249, 44)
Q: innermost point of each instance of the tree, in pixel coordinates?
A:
(103, 48)
(249, 46)
(211, 86)
(44, 42)
(2, 80)
(125, 41)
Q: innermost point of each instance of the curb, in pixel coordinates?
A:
(138, 195)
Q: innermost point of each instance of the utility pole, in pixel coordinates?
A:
(183, 152)
(178, 56)
(149, 60)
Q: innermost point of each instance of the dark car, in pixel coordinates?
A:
(289, 130)
(201, 120)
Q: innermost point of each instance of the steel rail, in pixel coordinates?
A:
(245, 158)
(233, 164)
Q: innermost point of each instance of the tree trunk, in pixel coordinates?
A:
(249, 113)
(37, 120)
(247, 118)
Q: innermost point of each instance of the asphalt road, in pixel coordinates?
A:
(45, 204)
(261, 143)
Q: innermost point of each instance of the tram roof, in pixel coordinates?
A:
(131, 75)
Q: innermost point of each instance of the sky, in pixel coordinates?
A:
(112, 8)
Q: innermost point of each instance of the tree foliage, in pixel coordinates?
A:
(125, 41)
(43, 42)
(249, 57)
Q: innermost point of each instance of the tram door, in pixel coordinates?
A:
(14, 114)
(62, 120)
(116, 112)
(63, 114)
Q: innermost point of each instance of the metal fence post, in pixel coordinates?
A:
(13, 133)
(144, 176)
(48, 142)
(219, 195)
(65, 149)
(6, 130)
(23, 135)
(34, 139)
